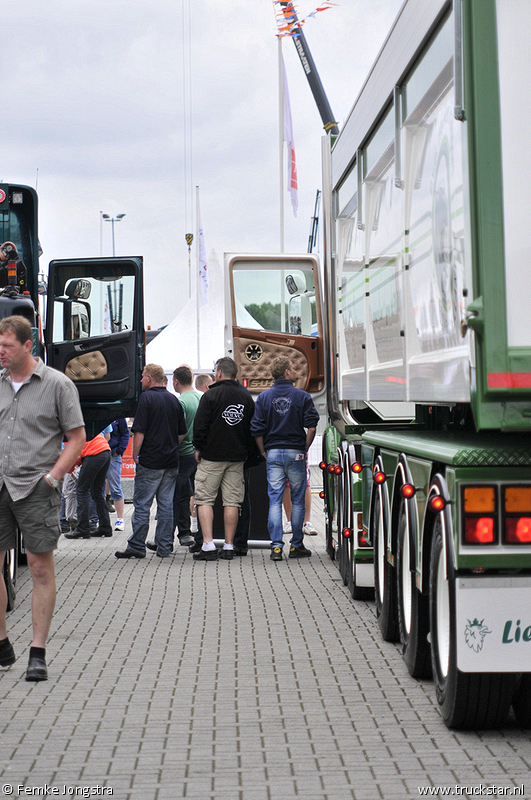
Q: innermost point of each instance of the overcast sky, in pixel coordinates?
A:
(93, 110)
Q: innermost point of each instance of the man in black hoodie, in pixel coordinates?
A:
(222, 442)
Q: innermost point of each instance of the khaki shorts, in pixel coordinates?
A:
(211, 475)
(37, 516)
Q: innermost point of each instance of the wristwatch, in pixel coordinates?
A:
(52, 481)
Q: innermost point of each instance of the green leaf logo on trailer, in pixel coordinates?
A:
(475, 633)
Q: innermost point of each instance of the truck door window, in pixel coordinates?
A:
(263, 301)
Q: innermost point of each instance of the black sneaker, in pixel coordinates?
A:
(195, 548)
(186, 540)
(299, 552)
(239, 551)
(151, 546)
(276, 554)
(228, 555)
(7, 654)
(206, 555)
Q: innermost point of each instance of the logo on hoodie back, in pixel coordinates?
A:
(233, 414)
(282, 405)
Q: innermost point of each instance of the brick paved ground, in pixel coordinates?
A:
(244, 680)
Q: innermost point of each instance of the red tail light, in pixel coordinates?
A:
(331, 468)
(518, 530)
(322, 465)
(321, 495)
(407, 490)
(362, 541)
(379, 477)
(356, 467)
(347, 533)
(338, 470)
(479, 530)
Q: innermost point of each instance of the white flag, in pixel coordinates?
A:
(293, 187)
(203, 266)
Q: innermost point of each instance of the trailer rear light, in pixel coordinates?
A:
(362, 541)
(407, 490)
(517, 514)
(479, 530)
(347, 533)
(518, 530)
(479, 499)
(322, 465)
(379, 477)
(356, 467)
(437, 503)
(517, 499)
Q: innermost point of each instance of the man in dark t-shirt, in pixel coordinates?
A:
(158, 429)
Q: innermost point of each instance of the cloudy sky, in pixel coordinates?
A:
(94, 115)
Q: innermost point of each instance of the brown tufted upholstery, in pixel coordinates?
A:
(260, 371)
(87, 367)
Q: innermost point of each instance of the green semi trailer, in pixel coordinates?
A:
(427, 453)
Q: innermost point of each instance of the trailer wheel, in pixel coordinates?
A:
(522, 701)
(384, 582)
(467, 701)
(412, 608)
(9, 572)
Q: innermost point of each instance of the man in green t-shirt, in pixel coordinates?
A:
(184, 488)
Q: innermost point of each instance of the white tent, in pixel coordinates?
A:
(178, 342)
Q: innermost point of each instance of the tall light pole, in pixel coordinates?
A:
(112, 220)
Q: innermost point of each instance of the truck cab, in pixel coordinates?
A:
(87, 319)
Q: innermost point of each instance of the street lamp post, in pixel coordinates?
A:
(112, 220)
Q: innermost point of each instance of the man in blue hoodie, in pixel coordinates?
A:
(284, 426)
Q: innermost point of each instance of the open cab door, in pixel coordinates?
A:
(275, 310)
(95, 333)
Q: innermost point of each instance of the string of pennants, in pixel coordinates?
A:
(288, 21)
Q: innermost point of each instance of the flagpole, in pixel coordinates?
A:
(197, 216)
(281, 139)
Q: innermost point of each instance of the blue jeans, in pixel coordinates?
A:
(283, 466)
(114, 477)
(151, 483)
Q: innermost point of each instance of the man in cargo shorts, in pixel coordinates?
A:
(38, 407)
(222, 442)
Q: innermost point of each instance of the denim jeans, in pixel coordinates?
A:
(282, 466)
(114, 475)
(151, 483)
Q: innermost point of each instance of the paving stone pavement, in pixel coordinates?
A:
(244, 680)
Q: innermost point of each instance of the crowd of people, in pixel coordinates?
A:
(187, 448)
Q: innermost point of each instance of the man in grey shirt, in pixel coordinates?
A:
(38, 408)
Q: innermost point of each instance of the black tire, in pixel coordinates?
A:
(10, 571)
(468, 701)
(413, 612)
(522, 701)
(384, 577)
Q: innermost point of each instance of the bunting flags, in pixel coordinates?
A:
(293, 187)
(203, 266)
(288, 22)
